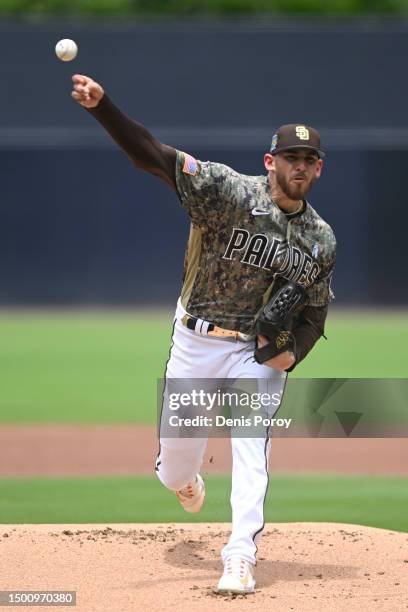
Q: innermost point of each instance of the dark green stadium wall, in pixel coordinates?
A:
(79, 225)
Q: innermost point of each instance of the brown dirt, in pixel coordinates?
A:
(61, 450)
(305, 567)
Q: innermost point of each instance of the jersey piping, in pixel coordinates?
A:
(191, 264)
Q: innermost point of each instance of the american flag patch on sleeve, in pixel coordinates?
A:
(190, 165)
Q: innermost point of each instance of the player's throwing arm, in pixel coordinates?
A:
(86, 92)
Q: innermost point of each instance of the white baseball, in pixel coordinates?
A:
(66, 50)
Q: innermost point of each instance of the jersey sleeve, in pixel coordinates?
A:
(320, 293)
(202, 187)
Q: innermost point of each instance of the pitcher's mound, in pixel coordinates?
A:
(156, 568)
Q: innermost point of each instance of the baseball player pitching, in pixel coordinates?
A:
(254, 299)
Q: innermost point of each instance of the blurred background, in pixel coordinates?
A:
(91, 250)
(79, 226)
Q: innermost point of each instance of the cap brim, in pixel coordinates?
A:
(319, 152)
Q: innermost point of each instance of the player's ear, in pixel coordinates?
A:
(269, 161)
(319, 167)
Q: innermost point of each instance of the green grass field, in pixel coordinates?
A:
(80, 367)
(372, 501)
(87, 368)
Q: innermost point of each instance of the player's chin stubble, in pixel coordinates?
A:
(294, 191)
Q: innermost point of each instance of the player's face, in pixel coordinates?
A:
(295, 171)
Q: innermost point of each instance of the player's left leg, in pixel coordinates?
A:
(250, 468)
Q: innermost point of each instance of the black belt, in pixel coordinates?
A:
(205, 328)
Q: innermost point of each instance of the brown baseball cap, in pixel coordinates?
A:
(296, 136)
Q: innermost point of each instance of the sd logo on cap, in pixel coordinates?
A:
(295, 136)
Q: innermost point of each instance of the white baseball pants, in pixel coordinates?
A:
(192, 356)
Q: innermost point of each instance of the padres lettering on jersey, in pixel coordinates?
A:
(257, 251)
(240, 241)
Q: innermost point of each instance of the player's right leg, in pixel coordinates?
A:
(180, 454)
(192, 356)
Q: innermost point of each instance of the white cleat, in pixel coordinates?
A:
(237, 577)
(192, 496)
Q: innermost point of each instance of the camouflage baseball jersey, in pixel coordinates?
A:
(241, 242)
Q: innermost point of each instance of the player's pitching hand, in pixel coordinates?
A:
(281, 362)
(86, 92)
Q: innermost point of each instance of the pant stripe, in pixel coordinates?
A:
(164, 386)
(266, 490)
(266, 469)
